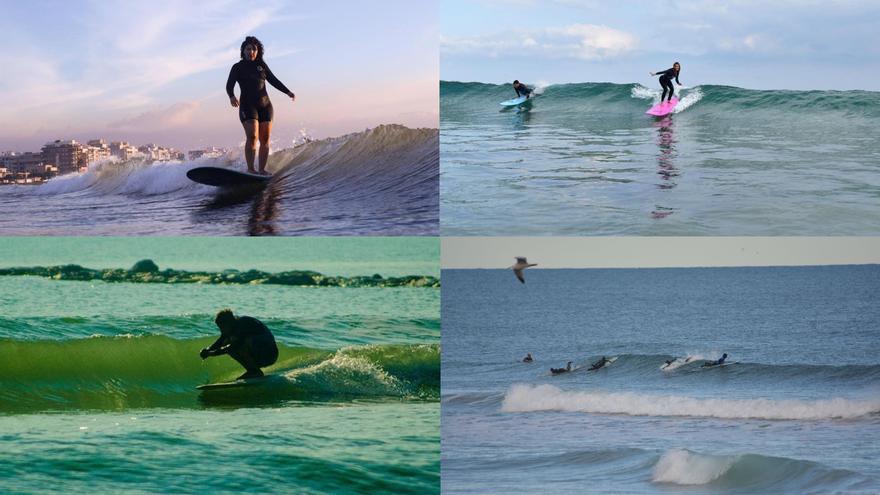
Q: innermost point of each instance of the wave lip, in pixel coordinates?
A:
(755, 472)
(685, 468)
(528, 398)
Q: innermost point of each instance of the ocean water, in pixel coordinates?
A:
(97, 378)
(584, 159)
(797, 412)
(382, 181)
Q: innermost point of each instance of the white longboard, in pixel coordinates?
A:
(247, 382)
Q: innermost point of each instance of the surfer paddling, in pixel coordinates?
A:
(717, 362)
(666, 78)
(245, 339)
(557, 371)
(255, 109)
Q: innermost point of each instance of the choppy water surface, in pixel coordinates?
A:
(584, 159)
(798, 411)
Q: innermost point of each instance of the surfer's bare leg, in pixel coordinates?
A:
(265, 132)
(250, 144)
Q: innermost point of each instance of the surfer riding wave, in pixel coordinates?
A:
(666, 78)
(255, 109)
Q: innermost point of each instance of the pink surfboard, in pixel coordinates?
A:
(665, 108)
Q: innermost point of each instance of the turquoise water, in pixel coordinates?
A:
(98, 378)
(584, 159)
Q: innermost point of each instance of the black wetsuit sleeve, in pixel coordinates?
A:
(275, 82)
(230, 82)
(676, 80)
(214, 349)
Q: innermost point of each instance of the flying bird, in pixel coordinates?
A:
(521, 264)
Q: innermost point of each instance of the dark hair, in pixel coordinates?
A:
(516, 81)
(252, 40)
(223, 317)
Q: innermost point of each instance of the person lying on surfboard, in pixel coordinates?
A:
(716, 362)
(254, 110)
(666, 77)
(600, 363)
(557, 371)
(522, 90)
(528, 358)
(245, 339)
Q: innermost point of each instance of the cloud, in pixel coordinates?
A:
(175, 116)
(581, 41)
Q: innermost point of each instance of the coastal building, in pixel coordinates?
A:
(124, 151)
(67, 155)
(211, 152)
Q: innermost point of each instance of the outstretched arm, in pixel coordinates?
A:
(276, 83)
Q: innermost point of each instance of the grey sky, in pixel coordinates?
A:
(644, 252)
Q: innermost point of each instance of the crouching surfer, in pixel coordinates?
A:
(246, 340)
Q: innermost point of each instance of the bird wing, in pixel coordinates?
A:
(519, 275)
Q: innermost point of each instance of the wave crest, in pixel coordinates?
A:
(528, 398)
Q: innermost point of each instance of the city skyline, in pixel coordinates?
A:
(799, 45)
(157, 73)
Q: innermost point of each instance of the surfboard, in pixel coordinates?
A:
(722, 365)
(224, 177)
(664, 108)
(608, 362)
(676, 363)
(247, 382)
(514, 102)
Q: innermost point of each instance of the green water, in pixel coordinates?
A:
(97, 379)
(299, 448)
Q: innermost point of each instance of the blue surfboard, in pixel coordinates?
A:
(514, 102)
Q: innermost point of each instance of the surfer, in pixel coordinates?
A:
(255, 109)
(600, 363)
(528, 358)
(557, 371)
(716, 362)
(245, 339)
(666, 77)
(522, 90)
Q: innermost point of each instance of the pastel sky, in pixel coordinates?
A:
(657, 252)
(779, 44)
(156, 71)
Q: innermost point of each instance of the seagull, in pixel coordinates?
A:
(521, 264)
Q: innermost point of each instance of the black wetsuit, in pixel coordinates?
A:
(523, 90)
(251, 77)
(666, 81)
(251, 334)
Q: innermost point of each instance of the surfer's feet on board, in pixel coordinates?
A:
(250, 374)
